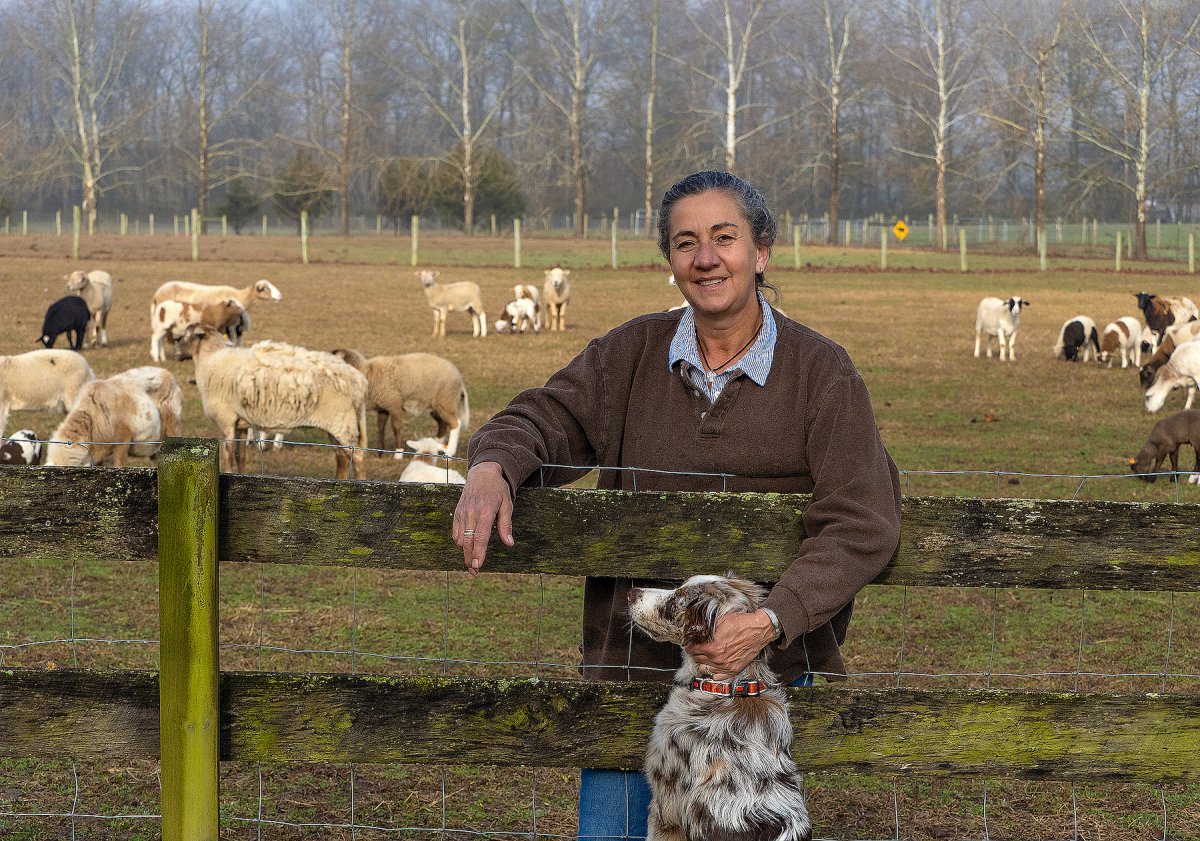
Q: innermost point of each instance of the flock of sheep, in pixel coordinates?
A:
(267, 388)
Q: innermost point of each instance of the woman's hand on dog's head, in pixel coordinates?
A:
(738, 639)
(484, 502)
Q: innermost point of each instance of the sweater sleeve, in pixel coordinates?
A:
(852, 524)
(557, 424)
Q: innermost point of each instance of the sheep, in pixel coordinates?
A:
(1164, 442)
(43, 380)
(1123, 335)
(96, 289)
(68, 315)
(1161, 312)
(414, 383)
(274, 386)
(556, 294)
(1177, 334)
(1180, 370)
(126, 414)
(999, 318)
(528, 290)
(172, 318)
(446, 298)
(199, 293)
(519, 316)
(430, 464)
(1149, 342)
(1077, 339)
(22, 447)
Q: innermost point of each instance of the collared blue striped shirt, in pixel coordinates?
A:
(755, 364)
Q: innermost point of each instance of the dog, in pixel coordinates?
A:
(719, 760)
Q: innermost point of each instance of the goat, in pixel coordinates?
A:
(999, 318)
(1161, 312)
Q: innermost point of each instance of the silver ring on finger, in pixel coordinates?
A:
(468, 532)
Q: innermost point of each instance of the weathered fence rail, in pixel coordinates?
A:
(122, 516)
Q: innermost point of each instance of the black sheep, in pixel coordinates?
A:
(68, 315)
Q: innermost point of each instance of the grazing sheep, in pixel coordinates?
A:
(1177, 334)
(1181, 370)
(414, 383)
(999, 318)
(274, 387)
(43, 380)
(1161, 312)
(96, 289)
(172, 318)
(556, 294)
(519, 316)
(1149, 343)
(446, 298)
(528, 290)
(430, 464)
(68, 315)
(199, 293)
(1123, 336)
(1077, 333)
(22, 447)
(126, 414)
(1164, 442)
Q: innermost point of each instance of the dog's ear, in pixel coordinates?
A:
(697, 621)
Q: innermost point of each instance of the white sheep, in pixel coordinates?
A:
(126, 414)
(172, 318)
(999, 318)
(519, 316)
(42, 380)
(430, 464)
(445, 298)
(200, 293)
(1122, 336)
(274, 387)
(1181, 370)
(556, 294)
(96, 288)
(414, 383)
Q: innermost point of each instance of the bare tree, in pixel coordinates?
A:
(649, 205)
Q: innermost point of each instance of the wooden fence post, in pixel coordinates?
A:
(516, 243)
(883, 235)
(1118, 254)
(58, 223)
(1191, 253)
(415, 225)
(615, 224)
(189, 678)
(962, 249)
(76, 223)
(151, 224)
(304, 237)
(195, 234)
(796, 246)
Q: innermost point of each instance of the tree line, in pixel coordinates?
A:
(535, 108)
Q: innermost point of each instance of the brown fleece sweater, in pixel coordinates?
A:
(811, 429)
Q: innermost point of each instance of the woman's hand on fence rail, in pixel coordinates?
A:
(484, 502)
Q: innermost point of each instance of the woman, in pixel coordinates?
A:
(724, 395)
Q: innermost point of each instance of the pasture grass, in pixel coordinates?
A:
(955, 425)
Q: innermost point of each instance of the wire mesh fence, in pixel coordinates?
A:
(280, 618)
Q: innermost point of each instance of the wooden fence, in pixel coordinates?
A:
(190, 715)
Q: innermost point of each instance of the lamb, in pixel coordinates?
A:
(445, 298)
(519, 316)
(95, 287)
(1164, 441)
(1123, 335)
(999, 318)
(44, 380)
(1077, 333)
(199, 293)
(1177, 334)
(126, 414)
(1149, 342)
(22, 447)
(1161, 312)
(430, 464)
(172, 318)
(274, 386)
(68, 315)
(1182, 369)
(556, 294)
(414, 383)
(528, 290)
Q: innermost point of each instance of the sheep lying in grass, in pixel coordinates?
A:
(446, 298)
(41, 380)
(414, 383)
(1164, 441)
(126, 414)
(556, 294)
(430, 464)
(96, 289)
(274, 387)
(199, 293)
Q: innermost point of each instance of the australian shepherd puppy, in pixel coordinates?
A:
(719, 761)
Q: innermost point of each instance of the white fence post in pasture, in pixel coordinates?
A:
(124, 224)
(516, 243)
(796, 246)
(304, 237)
(883, 235)
(378, 224)
(415, 228)
(1118, 257)
(75, 226)
(493, 225)
(616, 220)
(264, 225)
(962, 249)
(195, 235)
(1042, 251)
(1191, 253)
(931, 229)
(151, 224)
(58, 223)
(586, 224)
(1095, 231)
(24, 223)
(175, 224)
(1157, 234)
(224, 225)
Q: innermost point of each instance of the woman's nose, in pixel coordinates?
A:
(706, 255)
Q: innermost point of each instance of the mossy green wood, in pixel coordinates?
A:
(188, 612)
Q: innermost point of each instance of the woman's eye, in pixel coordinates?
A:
(685, 245)
(725, 239)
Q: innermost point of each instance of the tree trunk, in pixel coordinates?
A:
(343, 169)
(202, 119)
(649, 226)
(835, 106)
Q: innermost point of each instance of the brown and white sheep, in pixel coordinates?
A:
(519, 315)
(200, 293)
(1001, 319)
(1180, 371)
(414, 383)
(430, 464)
(274, 387)
(126, 414)
(41, 380)
(1122, 336)
(96, 289)
(1161, 312)
(1164, 441)
(22, 447)
(172, 318)
(1177, 334)
(445, 298)
(556, 294)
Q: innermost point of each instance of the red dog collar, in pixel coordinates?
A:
(728, 687)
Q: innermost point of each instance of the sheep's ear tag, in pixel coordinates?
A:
(1133, 461)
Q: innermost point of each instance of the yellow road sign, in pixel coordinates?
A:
(900, 230)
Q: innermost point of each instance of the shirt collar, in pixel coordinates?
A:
(755, 363)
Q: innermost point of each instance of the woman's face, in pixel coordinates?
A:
(713, 254)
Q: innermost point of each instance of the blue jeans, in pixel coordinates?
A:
(615, 805)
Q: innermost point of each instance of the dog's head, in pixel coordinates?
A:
(689, 613)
